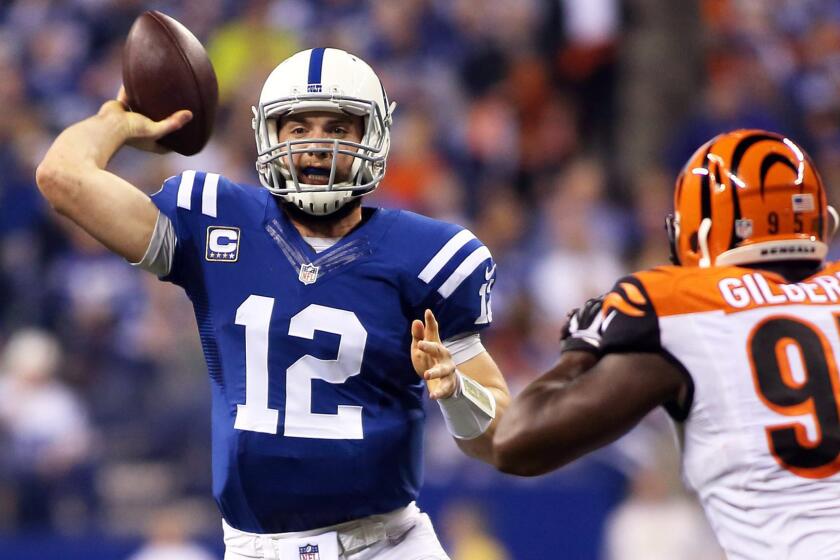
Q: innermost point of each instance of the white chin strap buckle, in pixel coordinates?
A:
(703, 242)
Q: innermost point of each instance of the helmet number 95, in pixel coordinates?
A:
(773, 223)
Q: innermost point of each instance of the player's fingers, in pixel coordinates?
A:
(122, 97)
(439, 371)
(568, 326)
(417, 330)
(444, 389)
(434, 349)
(432, 332)
(111, 105)
(146, 128)
(433, 372)
(432, 385)
(177, 119)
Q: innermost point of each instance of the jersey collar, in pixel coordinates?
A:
(350, 249)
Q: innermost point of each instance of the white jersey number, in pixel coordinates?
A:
(255, 415)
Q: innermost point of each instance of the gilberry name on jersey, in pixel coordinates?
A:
(754, 289)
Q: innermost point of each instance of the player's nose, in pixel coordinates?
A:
(316, 152)
(320, 147)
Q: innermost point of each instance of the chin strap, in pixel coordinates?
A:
(703, 242)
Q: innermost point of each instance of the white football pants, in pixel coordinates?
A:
(403, 534)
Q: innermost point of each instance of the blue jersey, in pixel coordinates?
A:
(317, 411)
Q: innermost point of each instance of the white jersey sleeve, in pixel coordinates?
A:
(161, 250)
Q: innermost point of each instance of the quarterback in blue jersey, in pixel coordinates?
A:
(318, 317)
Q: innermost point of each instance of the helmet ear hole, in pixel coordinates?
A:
(693, 242)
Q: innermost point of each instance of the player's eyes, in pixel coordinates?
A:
(298, 130)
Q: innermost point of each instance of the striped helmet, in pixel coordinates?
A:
(749, 196)
(322, 79)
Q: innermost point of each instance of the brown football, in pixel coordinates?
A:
(165, 68)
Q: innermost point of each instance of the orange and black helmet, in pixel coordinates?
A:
(749, 196)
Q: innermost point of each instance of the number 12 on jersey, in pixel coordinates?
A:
(299, 420)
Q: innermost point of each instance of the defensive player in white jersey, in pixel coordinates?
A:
(739, 342)
(315, 314)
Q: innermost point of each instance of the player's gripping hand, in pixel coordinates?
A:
(581, 332)
(138, 130)
(431, 359)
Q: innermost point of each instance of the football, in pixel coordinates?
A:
(165, 68)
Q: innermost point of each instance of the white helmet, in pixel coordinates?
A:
(322, 79)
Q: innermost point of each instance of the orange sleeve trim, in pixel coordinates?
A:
(633, 293)
(615, 301)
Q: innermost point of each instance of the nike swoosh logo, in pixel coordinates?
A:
(488, 272)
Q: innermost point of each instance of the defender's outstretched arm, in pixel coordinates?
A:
(579, 406)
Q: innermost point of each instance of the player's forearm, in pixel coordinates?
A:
(561, 417)
(78, 152)
(72, 177)
(520, 444)
(532, 442)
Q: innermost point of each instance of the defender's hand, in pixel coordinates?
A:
(431, 359)
(582, 330)
(140, 131)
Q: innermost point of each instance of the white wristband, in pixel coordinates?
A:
(470, 410)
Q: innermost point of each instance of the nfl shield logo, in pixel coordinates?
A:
(309, 552)
(743, 228)
(308, 275)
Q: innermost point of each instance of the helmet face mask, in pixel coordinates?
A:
(349, 87)
(746, 197)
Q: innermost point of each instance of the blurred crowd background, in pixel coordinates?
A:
(553, 129)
